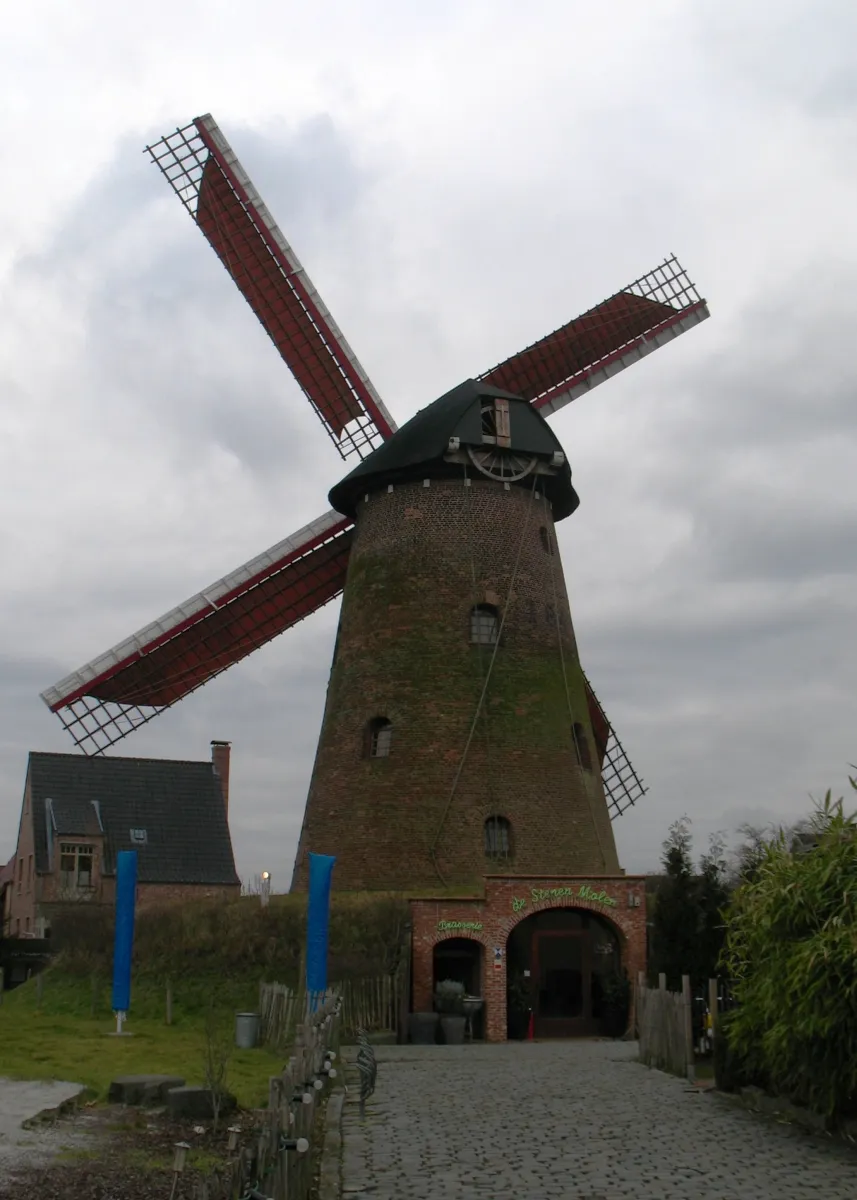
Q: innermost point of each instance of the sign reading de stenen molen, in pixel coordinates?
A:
(573, 892)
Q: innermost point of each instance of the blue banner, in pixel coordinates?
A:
(126, 890)
(318, 921)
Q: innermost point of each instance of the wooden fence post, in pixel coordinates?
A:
(687, 1004)
(712, 1008)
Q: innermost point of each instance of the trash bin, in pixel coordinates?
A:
(246, 1030)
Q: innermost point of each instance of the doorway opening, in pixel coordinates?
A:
(460, 959)
(562, 964)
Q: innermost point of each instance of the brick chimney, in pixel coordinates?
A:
(220, 752)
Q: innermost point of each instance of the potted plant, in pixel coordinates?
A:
(449, 1002)
(422, 1028)
(517, 1006)
(616, 993)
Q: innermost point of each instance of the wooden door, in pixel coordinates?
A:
(562, 983)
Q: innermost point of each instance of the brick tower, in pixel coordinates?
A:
(456, 739)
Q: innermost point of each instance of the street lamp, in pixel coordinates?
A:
(265, 888)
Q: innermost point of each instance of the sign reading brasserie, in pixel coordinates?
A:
(583, 892)
(450, 926)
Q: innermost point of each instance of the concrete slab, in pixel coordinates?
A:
(196, 1102)
(145, 1090)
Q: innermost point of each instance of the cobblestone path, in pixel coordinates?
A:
(578, 1120)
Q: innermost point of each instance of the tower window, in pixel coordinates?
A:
(581, 746)
(379, 737)
(546, 539)
(484, 625)
(498, 839)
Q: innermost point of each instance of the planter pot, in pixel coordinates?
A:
(518, 1023)
(615, 1024)
(422, 1028)
(453, 1030)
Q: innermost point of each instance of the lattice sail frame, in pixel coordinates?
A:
(592, 348)
(216, 191)
(198, 640)
(623, 787)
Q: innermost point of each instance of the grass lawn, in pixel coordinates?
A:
(62, 1039)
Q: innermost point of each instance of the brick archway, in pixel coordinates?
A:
(505, 903)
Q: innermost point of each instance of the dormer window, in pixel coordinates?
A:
(496, 429)
(75, 866)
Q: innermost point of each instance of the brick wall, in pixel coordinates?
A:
(422, 558)
(23, 888)
(500, 910)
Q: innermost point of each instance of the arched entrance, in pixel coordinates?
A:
(562, 964)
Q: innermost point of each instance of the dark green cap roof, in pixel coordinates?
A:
(417, 450)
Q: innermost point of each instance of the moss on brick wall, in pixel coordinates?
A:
(422, 558)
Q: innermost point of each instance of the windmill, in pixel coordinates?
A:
(503, 443)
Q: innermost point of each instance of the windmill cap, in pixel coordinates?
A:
(419, 449)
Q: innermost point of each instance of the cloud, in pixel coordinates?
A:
(457, 179)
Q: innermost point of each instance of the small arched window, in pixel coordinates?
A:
(546, 539)
(581, 746)
(498, 838)
(484, 625)
(379, 737)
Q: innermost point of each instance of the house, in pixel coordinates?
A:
(78, 813)
(7, 878)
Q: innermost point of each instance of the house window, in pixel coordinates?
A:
(379, 738)
(546, 540)
(581, 746)
(75, 866)
(138, 836)
(497, 837)
(484, 626)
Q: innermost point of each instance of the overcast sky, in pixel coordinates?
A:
(458, 178)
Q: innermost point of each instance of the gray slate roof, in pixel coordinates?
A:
(178, 804)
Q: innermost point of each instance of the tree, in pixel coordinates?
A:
(687, 923)
(216, 1058)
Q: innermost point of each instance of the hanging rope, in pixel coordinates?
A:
(482, 694)
(480, 655)
(587, 790)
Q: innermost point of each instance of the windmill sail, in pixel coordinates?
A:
(623, 787)
(603, 341)
(130, 684)
(205, 174)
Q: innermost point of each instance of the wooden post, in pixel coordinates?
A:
(169, 1013)
(688, 1027)
(712, 1008)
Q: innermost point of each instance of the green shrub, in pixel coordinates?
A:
(791, 952)
(237, 939)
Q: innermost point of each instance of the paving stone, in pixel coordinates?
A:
(196, 1102)
(577, 1120)
(142, 1089)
